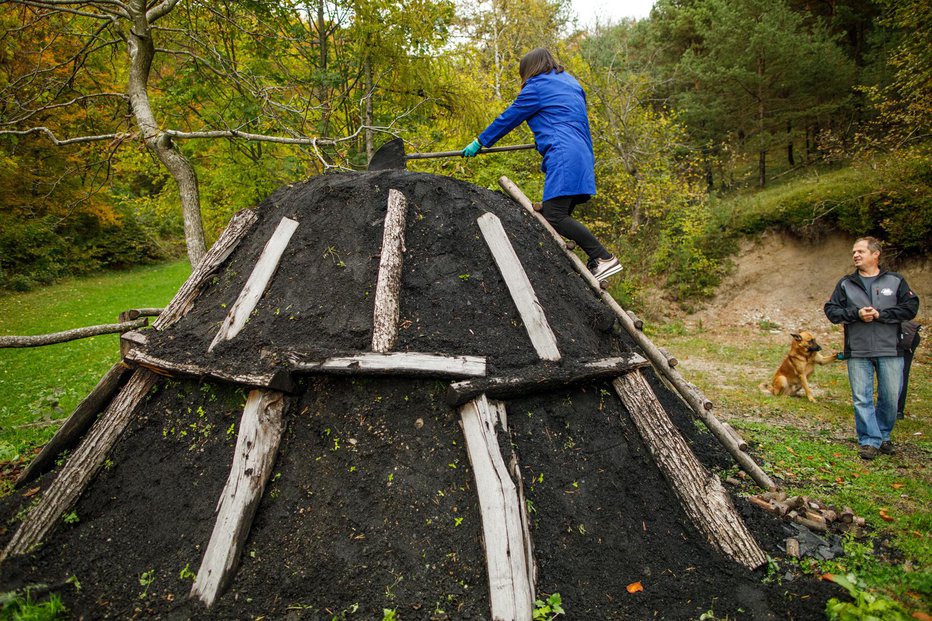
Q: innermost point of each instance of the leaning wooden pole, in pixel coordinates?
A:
(700, 492)
(82, 466)
(37, 340)
(386, 312)
(689, 393)
(260, 433)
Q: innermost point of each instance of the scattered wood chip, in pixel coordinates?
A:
(634, 587)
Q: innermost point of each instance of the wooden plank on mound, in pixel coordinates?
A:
(510, 591)
(279, 379)
(260, 433)
(689, 393)
(81, 419)
(82, 466)
(532, 314)
(240, 224)
(387, 298)
(547, 378)
(394, 363)
(257, 282)
(700, 492)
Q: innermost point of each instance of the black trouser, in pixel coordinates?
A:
(558, 212)
(907, 362)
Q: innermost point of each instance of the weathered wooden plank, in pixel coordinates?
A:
(542, 378)
(700, 492)
(394, 363)
(257, 282)
(81, 419)
(82, 466)
(532, 314)
(279, 379)
(260, 433)
(690, 394)
(386, 312)
(510, 591)
(239, 225)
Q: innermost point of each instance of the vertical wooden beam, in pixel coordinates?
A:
(82, 466)
(260, 433)
(507, 557)
(700, 492)
(257, 283)
(542, 337)
(387, 299)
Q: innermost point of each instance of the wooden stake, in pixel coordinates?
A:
(257, 283)
(690, 394)
(701, 493)
(81, 467)
(277, 379)
(532, 314)
(507, 561)
(260, 433)
(387, 299)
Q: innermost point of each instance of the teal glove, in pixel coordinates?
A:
(472, 149)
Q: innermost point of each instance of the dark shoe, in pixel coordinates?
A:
(603, 268)
(887, 448)
(867, 452)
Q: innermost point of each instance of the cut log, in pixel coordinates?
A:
(257, 283)
(690, 394)
(135, 313)
(507, 561)
(700, 492)
(260, 433)
(38, 340)
(396, 363)
(739, 441)
(636, 321)
(671, 359)
(74, 428)
(532, 314)
(278, 379)
(81, 467)
(236, 230)
(540, 379)
(387, 299)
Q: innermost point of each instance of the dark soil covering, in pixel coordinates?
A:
(372, 503)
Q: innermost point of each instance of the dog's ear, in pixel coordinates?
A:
(796, 336)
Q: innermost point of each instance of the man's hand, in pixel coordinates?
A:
(472, 148)
(868, 314)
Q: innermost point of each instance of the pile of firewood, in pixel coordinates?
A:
(811, 513)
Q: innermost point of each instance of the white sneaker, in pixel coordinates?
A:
(603, 268)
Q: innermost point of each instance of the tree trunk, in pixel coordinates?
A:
(789, 144)
(761, 111)
(370, 88)
(141, 50)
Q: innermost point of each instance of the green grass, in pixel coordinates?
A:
(812, 448)
(46, 383)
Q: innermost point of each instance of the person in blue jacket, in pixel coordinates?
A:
(553, 104)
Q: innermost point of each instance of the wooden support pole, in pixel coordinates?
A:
(258, 282)
(278, 379)
(690, 394)
(740, 442)
(387, 289)
(81, 467)
(135, 313)
(532, 314)
(700, 492)
(38, 340)
(81, 419)
(507, 561)
(636, 321)
(413, 364)
(239, 225)
(260, 433)
(540, 379)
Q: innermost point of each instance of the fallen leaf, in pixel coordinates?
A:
(884, 516)
(31, 492)
(922, 616)
(634, 587)
(897, 485)
(839, 480)
(828, 577)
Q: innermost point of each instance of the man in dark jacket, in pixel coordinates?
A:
(871, 303)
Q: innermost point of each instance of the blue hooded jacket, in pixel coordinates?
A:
(554, 106)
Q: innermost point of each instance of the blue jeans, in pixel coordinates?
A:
(874, 423)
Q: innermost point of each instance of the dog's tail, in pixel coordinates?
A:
(765, 388)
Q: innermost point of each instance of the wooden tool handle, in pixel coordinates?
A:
(424, 156)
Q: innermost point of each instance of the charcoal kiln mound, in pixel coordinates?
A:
(394, 391)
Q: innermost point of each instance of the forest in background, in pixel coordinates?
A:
(131, 132)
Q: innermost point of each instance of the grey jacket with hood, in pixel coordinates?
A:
(892, 298)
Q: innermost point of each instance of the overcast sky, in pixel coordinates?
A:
(589, 11)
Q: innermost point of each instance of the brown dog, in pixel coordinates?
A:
(796, 368)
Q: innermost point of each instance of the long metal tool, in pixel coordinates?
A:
(391, 155)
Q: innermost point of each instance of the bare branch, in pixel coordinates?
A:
(300, 140)
(31, 113)
(160, 10)
(70, 335)
(58, 142)
(52, 5)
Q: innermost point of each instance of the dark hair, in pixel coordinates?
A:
(536, 62)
